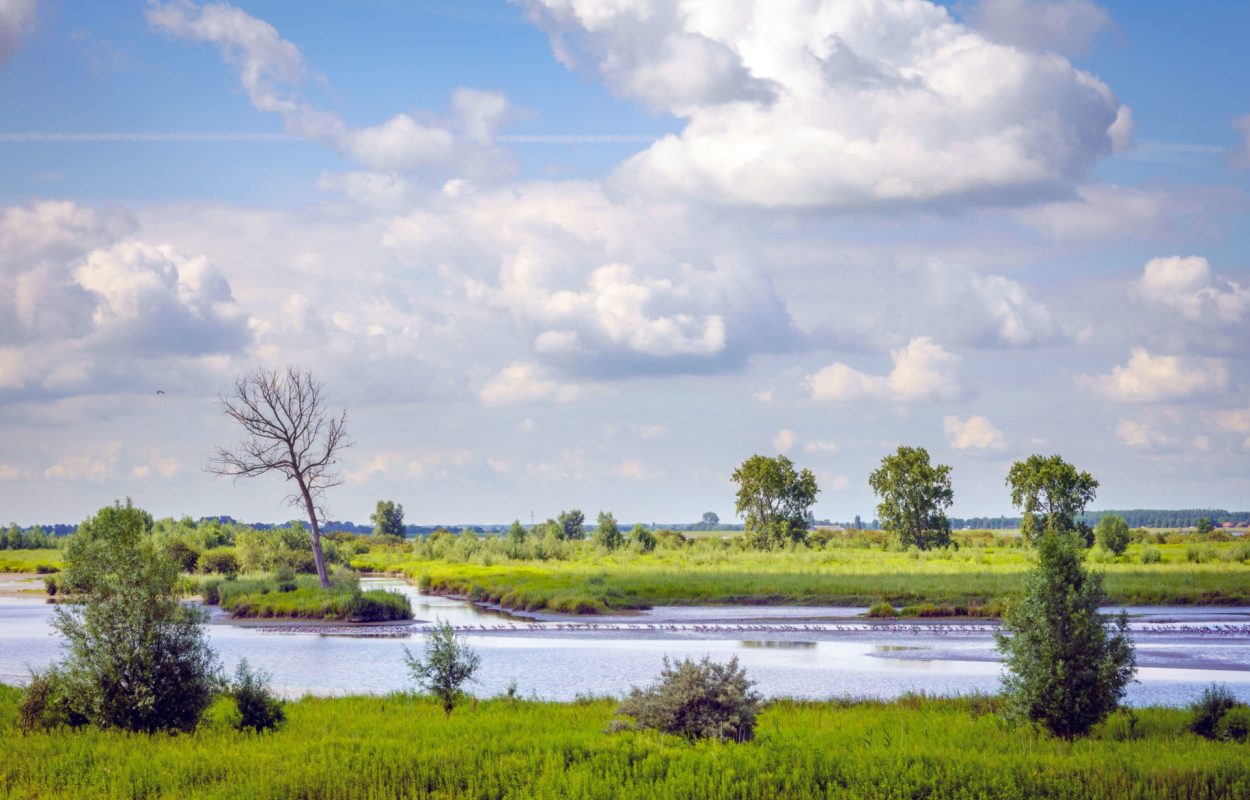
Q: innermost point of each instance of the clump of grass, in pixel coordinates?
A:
(302, 597)
(882, 609)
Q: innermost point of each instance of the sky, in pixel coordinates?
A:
(595, 253)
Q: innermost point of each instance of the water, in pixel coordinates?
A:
(799, 652)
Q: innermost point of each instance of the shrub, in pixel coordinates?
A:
(1235, 727)
(46, 703)
(1151, 555)
(49, 585)
(184, 554)
(137, 659)
(696, 700)
(257, 706)
(284, 579)
(882, 609)
(1064, 668)
(1112, 533)
(1216, 702)
(220, 561)
(447, 664)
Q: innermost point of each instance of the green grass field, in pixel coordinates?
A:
(259, 596)
(400, 746)
(1211, 573)
(30, 561)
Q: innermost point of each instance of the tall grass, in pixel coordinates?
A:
(300, 598)
(400, 746)
(591, 580)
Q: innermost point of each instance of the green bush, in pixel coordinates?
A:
(257, 708)
(1150, 555)
(50, 586)
(219, 561)
(696, 700)
(1207, 714)
(1235, 726)
(47, 703)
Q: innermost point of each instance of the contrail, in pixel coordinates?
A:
(246, 136)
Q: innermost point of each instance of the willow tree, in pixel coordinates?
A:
(289, 430)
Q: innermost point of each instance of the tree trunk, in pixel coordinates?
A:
(318, 558)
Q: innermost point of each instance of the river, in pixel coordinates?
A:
(804, 652)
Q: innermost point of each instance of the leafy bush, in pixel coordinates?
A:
(447, 664)
(257, 706)
(220, 560)
(1112, 534)
(137, 658)
(46, 703)
(184, 554)
(1235, 727)
(696, 700)
(1214, 704)
(284, 578)
(50, 585)
(1150, 555)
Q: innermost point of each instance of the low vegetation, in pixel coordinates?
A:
(405, 746)
(977, 575)
(278, 596)
(695, 700)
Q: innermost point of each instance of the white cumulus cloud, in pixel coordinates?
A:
(527, 383)
(784, 440)
(1149, 378)
(1188, 285)
(923, 372)
(837, 104)
(1068, 26)
(974, 433)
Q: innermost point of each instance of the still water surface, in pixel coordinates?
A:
(800, 652)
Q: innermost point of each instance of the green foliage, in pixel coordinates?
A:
(219, 561)
(289, 597)
(403, 746)
(696, 700)
(776, 500)
(1051, 494)
(185, 554)
(48, 702)
(1112, 534)
(34, 538)
(256, 707)
(882, 609)
(1065, 670)
(1209, 712)
(642, 539)
(607, 534)
(137, 659)
(711, 519)
(1204, 526)
(388, 519)
(914, 497)
(572, 524)
(1151, 555)
(448, 663)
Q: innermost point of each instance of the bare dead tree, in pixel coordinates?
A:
(288, 430)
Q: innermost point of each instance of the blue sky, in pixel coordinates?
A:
(990, 228)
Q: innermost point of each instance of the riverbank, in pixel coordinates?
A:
(401, 746)
(977, 579)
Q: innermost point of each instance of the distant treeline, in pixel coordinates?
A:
(1136, 518)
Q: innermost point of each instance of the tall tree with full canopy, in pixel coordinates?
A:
(776, 500)
(289, 430)
(1051, 494)
(388, 519)
(914, 497)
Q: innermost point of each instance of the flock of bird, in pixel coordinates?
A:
(893, 629)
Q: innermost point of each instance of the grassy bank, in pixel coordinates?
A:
(303, 598)
(709, 573)
(398, 746)
(30, 561)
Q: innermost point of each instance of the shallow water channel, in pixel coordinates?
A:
(811, 652)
